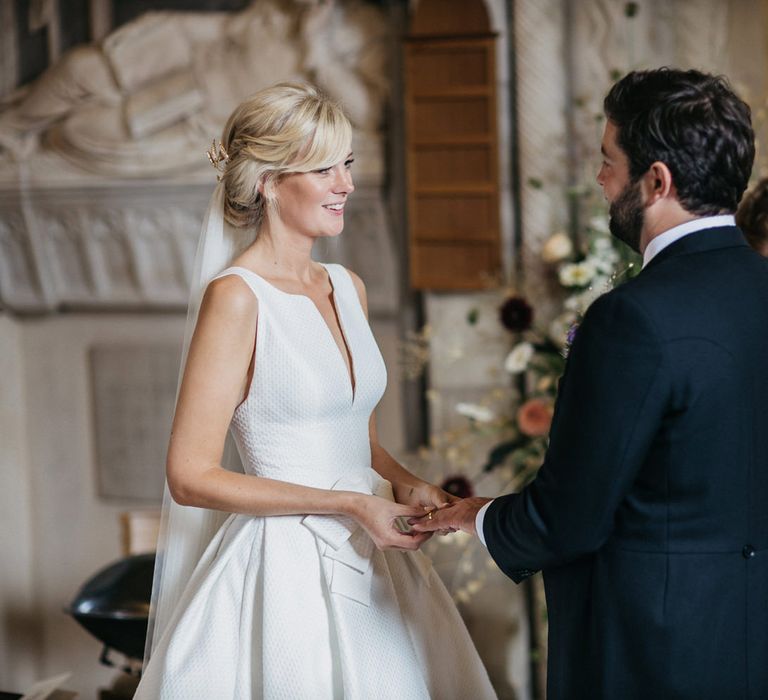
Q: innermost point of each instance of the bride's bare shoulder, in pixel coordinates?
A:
(230, 297)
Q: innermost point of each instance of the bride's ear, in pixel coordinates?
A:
(266, 189)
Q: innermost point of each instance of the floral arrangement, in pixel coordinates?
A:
(537, 359)
(502, 442)
(507, 430)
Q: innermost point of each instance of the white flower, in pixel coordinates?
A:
(599, 224)
(577, 274)
(580, 302)
(557, 248)
(602, 245)
(518, 359)
(600, 285)
(602, 264)
(481, 414)
(572, 303)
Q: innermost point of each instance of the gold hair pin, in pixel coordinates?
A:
(218, 157)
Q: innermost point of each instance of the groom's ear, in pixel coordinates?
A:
(658, 183)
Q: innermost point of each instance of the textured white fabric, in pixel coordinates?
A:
(305, 606)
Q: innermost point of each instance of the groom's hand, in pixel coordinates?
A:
(460, 515)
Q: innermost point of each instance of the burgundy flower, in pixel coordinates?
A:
(458, 486)
(516, 314)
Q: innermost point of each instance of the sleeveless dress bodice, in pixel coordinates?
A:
(301, 401)
(295, 607)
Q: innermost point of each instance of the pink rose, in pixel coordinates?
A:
(534, 417)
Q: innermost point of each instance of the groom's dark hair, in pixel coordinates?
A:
(694, 124)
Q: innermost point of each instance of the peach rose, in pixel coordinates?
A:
(534, 417)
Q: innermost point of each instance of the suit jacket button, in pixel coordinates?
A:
(748, 552)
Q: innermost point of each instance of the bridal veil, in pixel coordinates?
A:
(185, 531)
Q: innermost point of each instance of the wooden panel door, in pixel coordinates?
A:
(451, 154)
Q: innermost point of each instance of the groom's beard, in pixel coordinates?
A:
(626, 216)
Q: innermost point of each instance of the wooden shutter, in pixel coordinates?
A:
(451, 147)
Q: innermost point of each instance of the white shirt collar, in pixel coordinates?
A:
(677, 232)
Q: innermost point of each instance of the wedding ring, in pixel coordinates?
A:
(429, 515)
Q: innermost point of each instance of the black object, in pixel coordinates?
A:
(113, 605)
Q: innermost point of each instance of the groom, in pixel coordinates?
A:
(649, 515)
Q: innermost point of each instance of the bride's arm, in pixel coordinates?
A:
(408, 488)
(215, 378)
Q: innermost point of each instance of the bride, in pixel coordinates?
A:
(312, 587)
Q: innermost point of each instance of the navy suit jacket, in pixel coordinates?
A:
(649, 516)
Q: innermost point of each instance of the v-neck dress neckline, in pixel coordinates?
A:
(349, 370)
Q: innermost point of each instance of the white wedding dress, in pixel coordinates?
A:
(305, 607)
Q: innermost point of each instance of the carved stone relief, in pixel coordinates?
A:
(134, 248)
(108, 145)
(69, 266)
(18, 272)
(122, 247)
(109, 252)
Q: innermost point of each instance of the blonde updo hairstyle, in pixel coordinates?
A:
(286, 128)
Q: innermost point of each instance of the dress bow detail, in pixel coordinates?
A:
(346, 545)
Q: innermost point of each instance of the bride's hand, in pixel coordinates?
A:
(378, 516)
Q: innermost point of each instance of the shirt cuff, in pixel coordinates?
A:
(479, 522)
